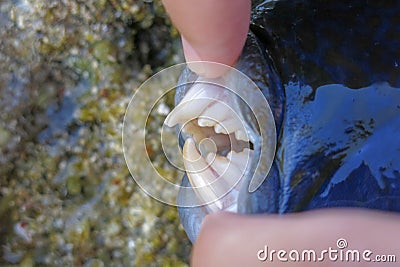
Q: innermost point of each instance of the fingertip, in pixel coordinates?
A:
(218, 235)
(205, 69)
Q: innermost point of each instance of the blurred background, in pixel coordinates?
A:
(67, 72)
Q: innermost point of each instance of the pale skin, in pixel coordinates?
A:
(210, 30)
(228, 239)
(215, 30)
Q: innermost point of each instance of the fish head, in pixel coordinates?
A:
(227, 133)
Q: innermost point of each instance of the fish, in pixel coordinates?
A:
(330, 72)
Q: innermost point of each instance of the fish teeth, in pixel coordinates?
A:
(237, 145)
(186, 111)
(226, 171)
(205, 110)
(200, 176)
(222, 141)
(229, 177)
(216, 112)
(215, 128)
(205, 122)
(214, 178)
(192, 105)
(228, 126)
(240, 159)
(241, 135)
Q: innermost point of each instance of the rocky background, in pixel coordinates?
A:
(68, 69)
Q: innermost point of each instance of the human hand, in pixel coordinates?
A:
(211, 31)
(228, 239)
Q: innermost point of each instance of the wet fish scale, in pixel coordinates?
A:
(348, 42)
(329, 153)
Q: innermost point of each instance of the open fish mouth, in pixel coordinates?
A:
(217, 147)
(229, 136)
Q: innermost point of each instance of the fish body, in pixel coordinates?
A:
(330, 71)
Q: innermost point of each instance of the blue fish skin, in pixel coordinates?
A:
(338, 147)
(318, 42)
(341, 149)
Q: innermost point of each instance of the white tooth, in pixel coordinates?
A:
(229, 174)
(240, 159)
(218, 111)
(237, 145)
(241, 135)
(204, 122)
(220, 129)
(239, 156)
(228, 180)
(228, 126)
(196, 87)
(201, 89)
(200, 175)
(193, 103)
(186, 111)
(195, 163)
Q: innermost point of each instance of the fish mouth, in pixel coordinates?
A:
(218, 144)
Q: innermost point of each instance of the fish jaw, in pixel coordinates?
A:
(217, 147)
